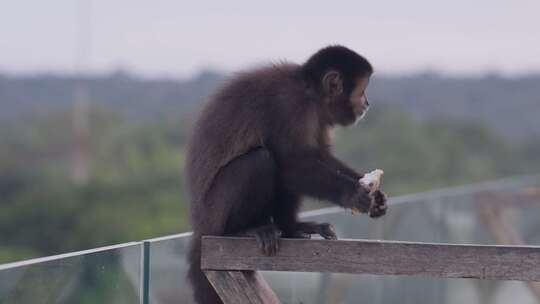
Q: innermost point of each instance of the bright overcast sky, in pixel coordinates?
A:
(179, 38)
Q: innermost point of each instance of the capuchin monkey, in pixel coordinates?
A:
(263, 141)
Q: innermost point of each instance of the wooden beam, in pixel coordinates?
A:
(376, 257)
(241, 287)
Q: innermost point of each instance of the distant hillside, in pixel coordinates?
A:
(119, 91)
(511, 106)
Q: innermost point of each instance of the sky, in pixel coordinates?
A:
(180, 38)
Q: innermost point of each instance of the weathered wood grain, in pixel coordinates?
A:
(376, 257)
(241, 287)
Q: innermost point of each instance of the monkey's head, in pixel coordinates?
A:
(340, 78)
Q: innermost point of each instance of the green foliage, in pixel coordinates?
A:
(135, 189)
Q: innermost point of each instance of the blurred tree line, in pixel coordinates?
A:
(509, 106)
(136, 190)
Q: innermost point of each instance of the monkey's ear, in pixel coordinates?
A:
(332, 83)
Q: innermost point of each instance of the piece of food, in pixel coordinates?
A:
(370, 181)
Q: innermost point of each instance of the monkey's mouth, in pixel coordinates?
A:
(361, 114)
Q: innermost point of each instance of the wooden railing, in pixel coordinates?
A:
(228, 262)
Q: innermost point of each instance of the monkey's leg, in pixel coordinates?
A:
(254, 175)
(267, 237)
(285, 213)
(285, 216)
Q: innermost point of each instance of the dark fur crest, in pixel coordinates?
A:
(339, 58)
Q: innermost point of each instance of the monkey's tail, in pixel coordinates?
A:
(203, 292)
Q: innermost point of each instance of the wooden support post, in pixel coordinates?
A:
(241, 287)
(504, 233)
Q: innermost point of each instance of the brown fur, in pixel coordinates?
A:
(260, 144)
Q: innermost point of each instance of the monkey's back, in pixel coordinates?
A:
(240, 116)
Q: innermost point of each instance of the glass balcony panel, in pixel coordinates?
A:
(168, 270)
(102, 276)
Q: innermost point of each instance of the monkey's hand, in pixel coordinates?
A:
(360, 200)
(379, 206)
(371, 182)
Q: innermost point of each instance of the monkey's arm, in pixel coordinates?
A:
(333, 163)
(313, 173)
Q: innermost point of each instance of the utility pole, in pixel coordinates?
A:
(79, 114)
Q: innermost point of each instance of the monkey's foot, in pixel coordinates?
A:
(379, 206)
(325, 230)
(267, 237)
